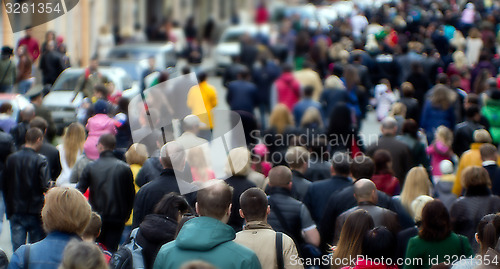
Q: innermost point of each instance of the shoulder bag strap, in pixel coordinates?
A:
(279, 250)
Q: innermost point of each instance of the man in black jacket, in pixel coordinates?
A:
(26, 179)
(172, 156)
(6, 148)
(361, 167)
(51, 64)
(112, 191)
(489, 157)
(50, 152)
(19, 131)
(464, 132)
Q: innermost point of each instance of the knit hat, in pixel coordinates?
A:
(101, 107)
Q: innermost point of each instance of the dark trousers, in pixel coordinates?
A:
(111, 233)
(24, 226)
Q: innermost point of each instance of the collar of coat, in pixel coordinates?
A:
(253, 225)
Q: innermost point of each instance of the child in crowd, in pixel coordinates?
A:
(385, 98)
(93, 231)
(440, 149)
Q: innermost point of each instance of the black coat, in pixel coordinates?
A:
(464, 136)
(18, 133)
(52, 155)
(111, 186)
(151, 193)
(494, 172)
(26, 180)
(51, 64)
(239, 184)
(154, 232)
(6, 148)
(150, 170)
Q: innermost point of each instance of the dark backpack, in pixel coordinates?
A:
(129, 255)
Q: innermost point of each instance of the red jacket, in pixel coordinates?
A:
(365, 264)
(386, 183)
(288, 90)
(31, 45)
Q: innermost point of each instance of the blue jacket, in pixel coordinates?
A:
(45, 254)
(209, 240)
(433, 117)
(242, 95)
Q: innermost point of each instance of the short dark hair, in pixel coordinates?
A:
(473, 98)
(410, 126)
(471, 111)
(362, 167)
(308, 91)
(108, 141)
(171, 204)
(436, 224)
(341, 163)
(214, 200)
(32, 135)
(202, 76)
(101, 89)
(379, 242)
(442, 78)
(40, 123)
(5, 107)
(253, 203)
(382, 158)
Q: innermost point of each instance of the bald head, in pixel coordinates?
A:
(28, 113)
(172, 156)
(280, 176)
(389, 126)
(365, 191)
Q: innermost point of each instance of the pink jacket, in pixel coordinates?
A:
(288, 90)
(438, 152)
(98, 125)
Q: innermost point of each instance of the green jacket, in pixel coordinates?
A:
(492, 112)
(8, 71)
(209, 240)
(422, 253)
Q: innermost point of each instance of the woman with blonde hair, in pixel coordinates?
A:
(69, 151)
(312, 121)
(65, 215)
(417, 183)
(281, 126)
(200, 170)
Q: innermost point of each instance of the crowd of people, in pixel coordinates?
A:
(307, 190)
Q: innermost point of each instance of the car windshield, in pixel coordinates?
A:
(231, 37)
(137, 53)
(66, 81)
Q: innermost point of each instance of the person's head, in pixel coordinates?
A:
(442, 79)
(488, 231)
(365, 191)
(311, 118)
(94, 64)
(389, 126)
(436, 224)
(65, 210)
(297, 158)
(27, 113)
(152, 63)
(444, 135)
(472, 113)
(488, 152)
(383, 162)
(417, 205)
(40, 123)
(280, 176)
(407, 89)
(398, 109)
(341, 163)
(410, 127)
(475, 176)
(28, 31)
(244, 73)
(362, 166)
(254, 206)
(379, 243)
(82, 255)
(335, 83)
(101, 92)
(350, 242)
(238, 162)
(173, 206)
(106, 142)
(215, 200)
(416, 183)
(136, 154)
(93, 229)
(191, 123)
(172, 156)
(281, 118)
(6, 108)
(101, 107)
(202, 76)
(308, 91)
(73, 140)
(482, 136)
(287, 68)
(442, 97)
(34, 138)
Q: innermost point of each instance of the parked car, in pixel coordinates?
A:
(133, 58)
(229, 43)
(61, 100)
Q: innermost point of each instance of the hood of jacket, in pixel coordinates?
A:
(287, 78)
(100, 122)
(158, 229)
(204, 234)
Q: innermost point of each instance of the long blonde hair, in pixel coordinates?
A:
(73, 141)
(281, 118)
(311, 116)
(416, 183)
(444, 135)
